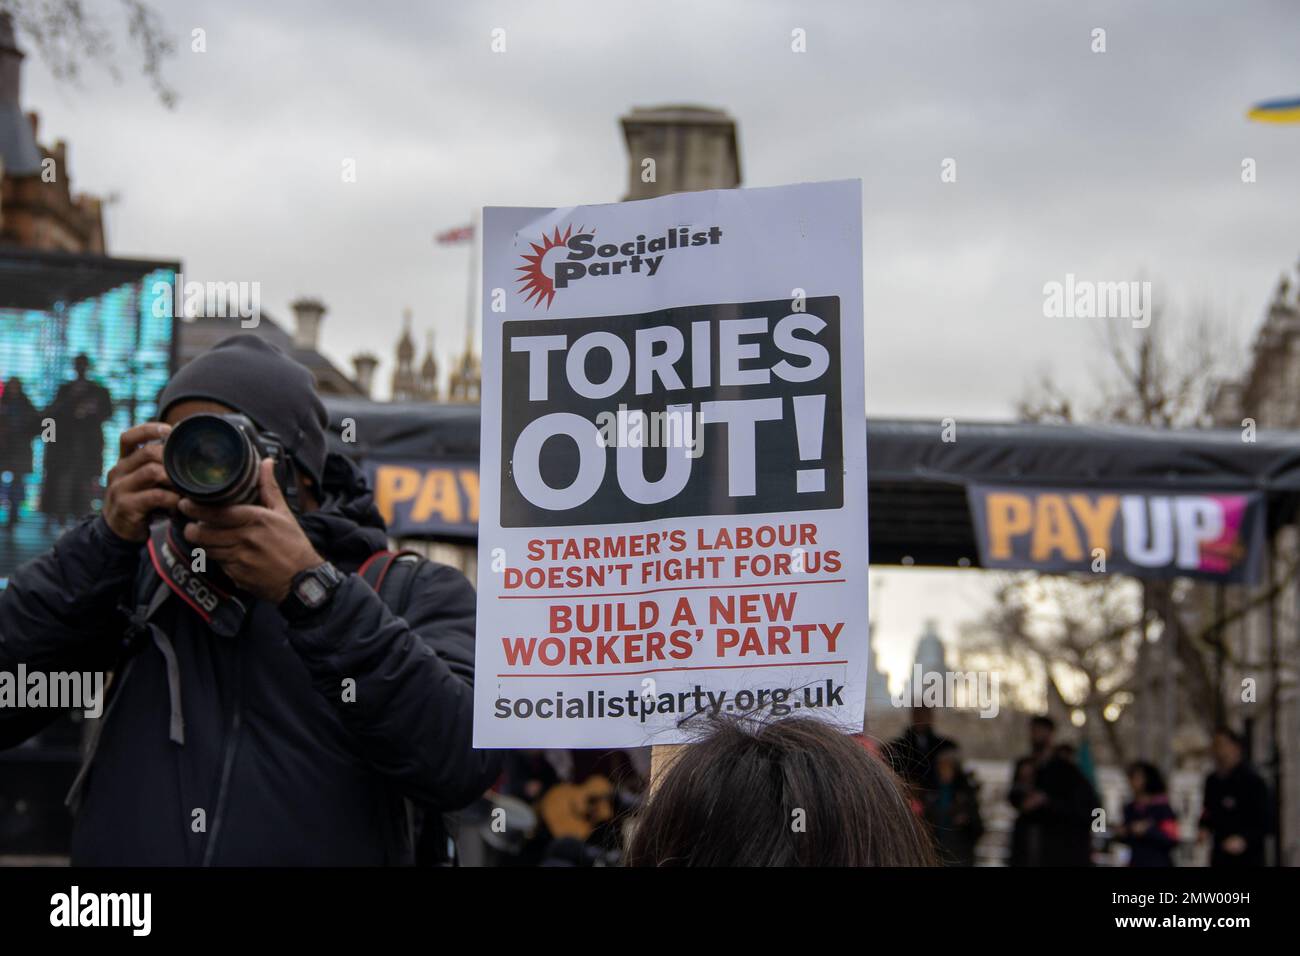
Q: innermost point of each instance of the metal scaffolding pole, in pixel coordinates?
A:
(1220, 654)
(1275, 755)
(1169, 680)
(1143, 679)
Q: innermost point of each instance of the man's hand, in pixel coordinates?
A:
(137, 484)
(261, 547)
(1234, 845)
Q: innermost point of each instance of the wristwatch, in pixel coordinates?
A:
(310, 591)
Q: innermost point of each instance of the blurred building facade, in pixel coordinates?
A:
(465, 384)
(878, 699)
(411, 383)
(677, 149)
(1261, 639)
(38, 209)
(196, 334)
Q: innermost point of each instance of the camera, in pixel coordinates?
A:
(214, 459)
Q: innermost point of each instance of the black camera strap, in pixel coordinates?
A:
(151, 593)
(220, 610)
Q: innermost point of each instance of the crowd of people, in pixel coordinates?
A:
(1060, 820)
(767, 792)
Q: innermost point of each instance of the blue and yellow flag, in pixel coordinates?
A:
(1276, 111)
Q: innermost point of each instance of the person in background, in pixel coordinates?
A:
(1236, 814)
(20, 423)
(788, 792)
(1025, 834)
(912, 753)
(1055, 802)
(952, 808)
(74, 460)
(1150, 826)
(526, 776)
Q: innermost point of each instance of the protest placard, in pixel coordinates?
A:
(673, 473)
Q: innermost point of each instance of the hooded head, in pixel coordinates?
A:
(254, 377)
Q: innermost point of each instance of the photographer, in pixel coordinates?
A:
(267, 706)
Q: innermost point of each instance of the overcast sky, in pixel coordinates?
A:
(1113, 166)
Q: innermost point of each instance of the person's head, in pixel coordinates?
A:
(1064, 752)
(1145, 779)
(1227, 748)
(1041, 731)
(789, 792)
(81, 364)
(922, 718)
(947, 763)
(14, 386)
(248, 375)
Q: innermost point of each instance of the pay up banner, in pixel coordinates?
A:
(416, 498)
(673, 475)
(1215, 537)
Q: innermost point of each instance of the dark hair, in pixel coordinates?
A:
(731, 800)
(1041, 720)
(1153, 781)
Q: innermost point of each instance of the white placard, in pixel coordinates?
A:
(673, 510)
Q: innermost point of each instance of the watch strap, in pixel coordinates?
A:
(301, 603)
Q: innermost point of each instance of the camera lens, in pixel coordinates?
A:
(209, 459)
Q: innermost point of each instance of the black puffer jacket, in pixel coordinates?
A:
(283, 770)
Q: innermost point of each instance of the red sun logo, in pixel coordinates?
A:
(535, 283)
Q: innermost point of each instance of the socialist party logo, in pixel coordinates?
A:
(561, 259)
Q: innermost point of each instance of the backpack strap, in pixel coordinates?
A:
(374, 568)
(391, 574)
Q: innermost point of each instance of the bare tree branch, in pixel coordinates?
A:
(67, 35)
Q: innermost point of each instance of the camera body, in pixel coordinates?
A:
(215, 459)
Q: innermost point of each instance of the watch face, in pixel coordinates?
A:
(311, 592)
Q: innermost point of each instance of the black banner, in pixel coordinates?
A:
(715, 409)
(1211, 536)
(419, 498)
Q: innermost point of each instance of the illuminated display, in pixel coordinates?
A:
(82, 357)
